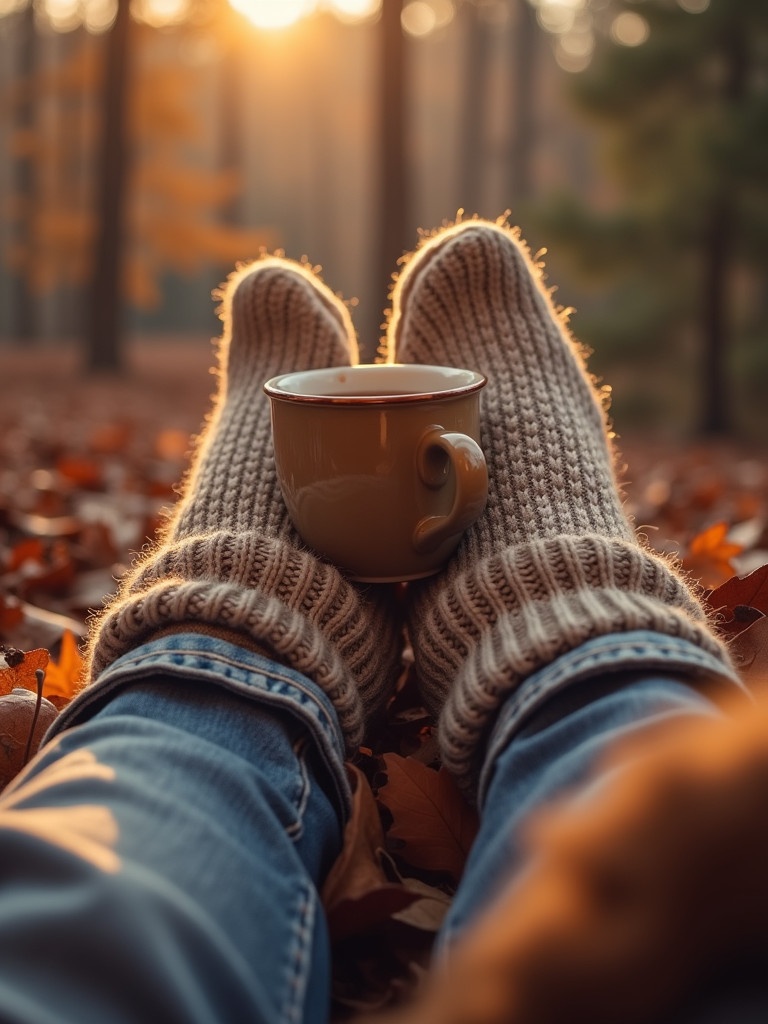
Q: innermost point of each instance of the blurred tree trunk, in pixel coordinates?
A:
(715, 415)
(104, 350)
(721, 230)
(525, 38)
(475, 100)
(23, 320)
(392, 224)
(70, 46)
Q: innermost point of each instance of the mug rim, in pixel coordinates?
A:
(278, 388)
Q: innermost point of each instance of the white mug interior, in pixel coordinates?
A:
(374, 382)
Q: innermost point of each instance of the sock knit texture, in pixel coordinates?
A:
(229, 555)
(553, 561)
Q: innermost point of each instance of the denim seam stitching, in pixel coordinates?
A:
(158, 661)
(296, 830)
(299, 699)
(623, 654)
(298, 956)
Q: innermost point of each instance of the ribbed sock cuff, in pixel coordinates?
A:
(490, 626)
(304, 610)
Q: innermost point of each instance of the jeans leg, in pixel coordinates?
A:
(552, 749)
(553, 753)
(559, 724)
(161, 862)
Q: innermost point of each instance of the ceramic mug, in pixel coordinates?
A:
(379, 464)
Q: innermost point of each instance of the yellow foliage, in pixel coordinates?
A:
(193, 187)
(162, 108)
(173, 198)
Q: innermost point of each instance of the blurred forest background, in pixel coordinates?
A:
(150, 144)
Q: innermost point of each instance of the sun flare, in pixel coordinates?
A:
(354, 10)
(274, 14)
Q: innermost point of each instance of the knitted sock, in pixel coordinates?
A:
(229, 557)
(553, 561)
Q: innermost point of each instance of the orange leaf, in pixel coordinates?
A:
(20, 668)
(712, 542)
(749, 650)
(110, 438)
(431, 818)
(63, 677)
(11, 614)
(709, 555)
(30, 549)
(173, 444)
(81, 471)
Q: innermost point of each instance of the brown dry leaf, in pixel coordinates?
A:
(709, 555)
(749, 591)
(110, 438)
(750, 654)
(382, 925)
(431, 818)
(11, 614)
(20, 669)
(35, 565)
(31, 549)
(63, 677)
(358, 894)
(81, 471)
(428, 912)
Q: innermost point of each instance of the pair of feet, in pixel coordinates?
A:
(552, 561)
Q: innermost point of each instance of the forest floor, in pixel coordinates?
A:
(88, 463)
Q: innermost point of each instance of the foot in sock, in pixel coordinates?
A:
(554, 560)
(229, 558)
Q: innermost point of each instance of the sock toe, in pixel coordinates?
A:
(280, 317)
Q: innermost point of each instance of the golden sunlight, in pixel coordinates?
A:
(354, 10)
(11, 6)
(64, 15)
(630, 29)
(421, 17)
(99, 15)
(159, 13)
(274, 14)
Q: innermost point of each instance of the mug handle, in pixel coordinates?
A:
(438, 452)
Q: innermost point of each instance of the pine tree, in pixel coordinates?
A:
(684, 116)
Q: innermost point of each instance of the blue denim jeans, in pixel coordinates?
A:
(161, 856)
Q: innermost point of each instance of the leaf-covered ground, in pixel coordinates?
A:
(87, 464)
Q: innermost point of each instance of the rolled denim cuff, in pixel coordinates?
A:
(200, 658)
(637, 651)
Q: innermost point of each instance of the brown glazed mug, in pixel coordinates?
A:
(379, 464)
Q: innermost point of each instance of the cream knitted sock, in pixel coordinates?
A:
(229, 557)
(553, 561)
